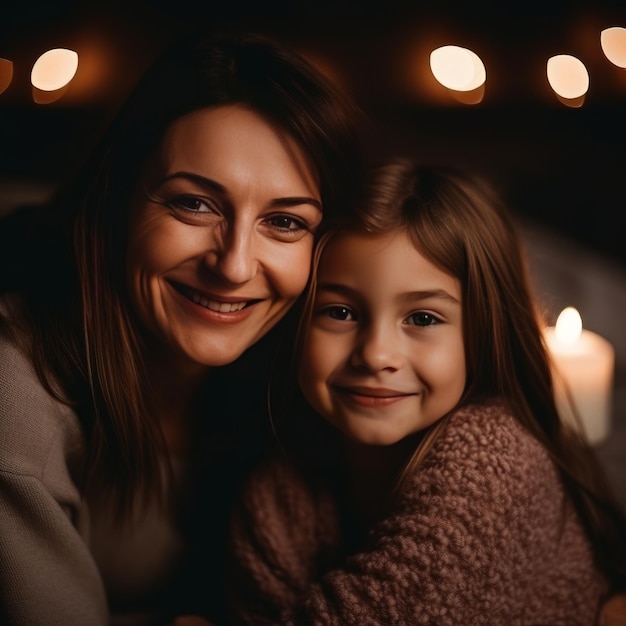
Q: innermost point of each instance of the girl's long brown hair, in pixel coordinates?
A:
(460, 224)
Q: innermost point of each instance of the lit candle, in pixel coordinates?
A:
(584, 363)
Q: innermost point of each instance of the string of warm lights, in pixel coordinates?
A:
(460, 70)
(50, 76)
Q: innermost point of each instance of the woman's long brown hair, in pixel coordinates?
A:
(77, 320)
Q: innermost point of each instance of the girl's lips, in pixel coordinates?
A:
(373, 397)
(376, 392)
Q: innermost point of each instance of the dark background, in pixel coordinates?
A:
(562, 167)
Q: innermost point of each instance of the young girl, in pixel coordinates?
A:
(439, 485)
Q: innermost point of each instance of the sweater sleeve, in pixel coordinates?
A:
(283, 535)
(479, 536)
(47, 574)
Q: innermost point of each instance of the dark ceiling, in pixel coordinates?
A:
(563, 167)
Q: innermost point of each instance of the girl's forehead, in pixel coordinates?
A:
(360, 244)
(382, 266)
(351, 252)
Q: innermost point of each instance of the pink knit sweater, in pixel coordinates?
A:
(483, 534)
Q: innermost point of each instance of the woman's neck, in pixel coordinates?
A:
(176, 384)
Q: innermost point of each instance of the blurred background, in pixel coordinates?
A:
(560, 163)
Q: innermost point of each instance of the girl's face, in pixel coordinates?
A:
(384, 356)
(221, 234)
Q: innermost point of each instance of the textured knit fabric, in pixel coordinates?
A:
(482, 534)
(62, 560)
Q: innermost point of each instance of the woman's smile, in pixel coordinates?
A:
(218, 304)
(221, 234)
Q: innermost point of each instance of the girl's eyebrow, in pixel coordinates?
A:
(209, 183)
(410, 296)
(427, 294)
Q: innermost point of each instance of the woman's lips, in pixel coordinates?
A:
(219, 306)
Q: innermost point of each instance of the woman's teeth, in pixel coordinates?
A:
(220, 307)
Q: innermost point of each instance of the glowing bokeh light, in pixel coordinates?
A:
(568, 327)
(567, 76)
(54, 69)
(457, 68)
(6, 74)
(613, 43)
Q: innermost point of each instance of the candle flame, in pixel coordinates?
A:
(568, 327)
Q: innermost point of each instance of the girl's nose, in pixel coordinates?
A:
(377, 349)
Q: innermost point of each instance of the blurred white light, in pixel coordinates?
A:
(613, 42)
(567, 76)
(54, 69)
(457, 68)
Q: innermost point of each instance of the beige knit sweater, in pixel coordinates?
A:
(62, 559)
(483, 534)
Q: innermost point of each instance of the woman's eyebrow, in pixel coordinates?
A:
(202, 181)
(295, 200)
(209, 183)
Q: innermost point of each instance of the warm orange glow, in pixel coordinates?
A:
(48, 97)
(54, 69)
(613, 42)
(457, 68)
(567, 76)
(469, 97)
(6, 74)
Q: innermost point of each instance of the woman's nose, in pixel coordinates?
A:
(377, 349)
(233, 257)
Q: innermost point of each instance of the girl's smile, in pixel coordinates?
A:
(371, 396)
(384, 356)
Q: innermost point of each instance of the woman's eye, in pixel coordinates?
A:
(421, 318)
(192, 204)
(287, 223)
(341, 313)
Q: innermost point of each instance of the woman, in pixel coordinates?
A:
(127, 371)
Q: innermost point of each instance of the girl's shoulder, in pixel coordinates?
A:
(484, 447)
(489, 427)
(38, 433)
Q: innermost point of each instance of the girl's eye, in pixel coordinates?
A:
(341, 313)
(287, 223)
(192, 204)
(421, 318)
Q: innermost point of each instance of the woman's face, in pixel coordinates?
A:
(221, 234)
